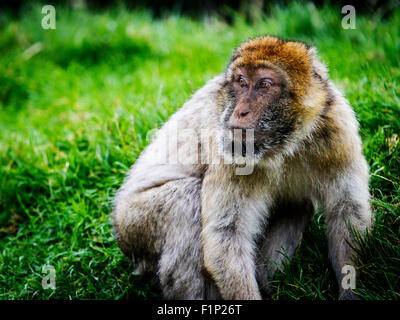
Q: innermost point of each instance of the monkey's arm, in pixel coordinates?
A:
(230, 222)
(346, 204)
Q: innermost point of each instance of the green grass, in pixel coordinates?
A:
(74, 117)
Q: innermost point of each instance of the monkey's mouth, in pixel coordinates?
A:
(243, 135)
(248, 136)
(245, 149)
(241, 142)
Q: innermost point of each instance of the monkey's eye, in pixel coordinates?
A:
(242, 82)
(265, 83)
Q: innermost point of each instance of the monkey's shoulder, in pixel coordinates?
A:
(336, 142)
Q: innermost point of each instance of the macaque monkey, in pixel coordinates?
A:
(230, 182)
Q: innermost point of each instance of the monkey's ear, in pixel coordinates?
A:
(320, 70)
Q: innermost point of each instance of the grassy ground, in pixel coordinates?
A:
(75, 106)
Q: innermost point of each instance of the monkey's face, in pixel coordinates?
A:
(257, 98)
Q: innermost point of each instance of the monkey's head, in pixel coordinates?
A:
(275, 87)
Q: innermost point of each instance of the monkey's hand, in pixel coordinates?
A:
(229, 227)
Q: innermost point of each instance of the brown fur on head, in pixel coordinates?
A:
(291, 59)
(281, 117)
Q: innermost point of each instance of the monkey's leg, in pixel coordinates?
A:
(281, 239)
(160, 228)
(345, 207)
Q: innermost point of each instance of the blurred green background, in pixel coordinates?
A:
(76, 104)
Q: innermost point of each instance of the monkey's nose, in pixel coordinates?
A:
(237, 124)
(240, 120)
